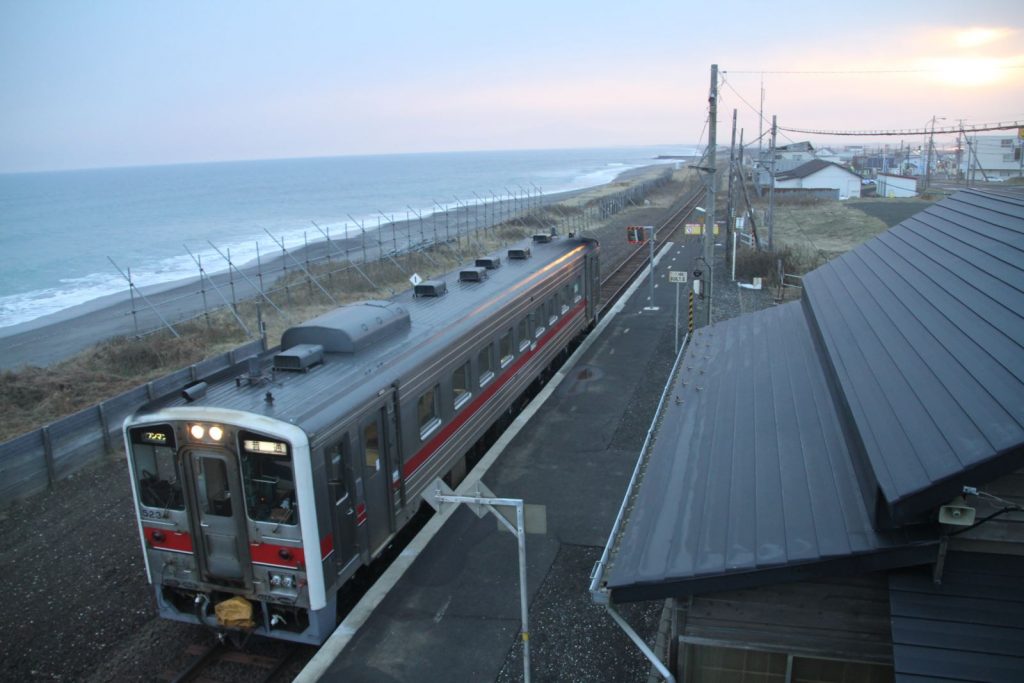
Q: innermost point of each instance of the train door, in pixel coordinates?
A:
(343, 517)
(218, 514)
(593, 286)
(376, 480)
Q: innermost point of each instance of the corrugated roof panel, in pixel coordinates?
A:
(749, 470)
(923, 327)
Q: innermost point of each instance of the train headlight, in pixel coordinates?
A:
(197, 432)
(275, 580)
(216, 433)
(288, 582)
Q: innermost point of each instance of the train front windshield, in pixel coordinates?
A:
(156, 467)
(268, 478)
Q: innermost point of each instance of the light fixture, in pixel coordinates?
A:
(197, 431)
(216, 433)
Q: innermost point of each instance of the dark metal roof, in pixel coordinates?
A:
(749, 481)
(810, 168)
(923, 329)
(969, 628)
(801, 441)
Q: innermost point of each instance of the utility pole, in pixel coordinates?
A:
(709, 216)
(730, 207)
(771, 188)
(959, 148)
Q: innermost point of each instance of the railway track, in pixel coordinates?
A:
(222, 662)
(617, 281)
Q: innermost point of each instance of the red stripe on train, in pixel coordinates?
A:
(161, 539)
(416, 461)
(277, 555)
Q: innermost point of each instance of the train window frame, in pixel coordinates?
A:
(485, 364)
(428, 415)
(577, 288)
(462, 393)
(523, 332)
(269, 484)
(158, 476)
(538, 322)
(365, 444)
(566, 298)
(339, 455)
(213, 500)
(551, 309)
(506, 349)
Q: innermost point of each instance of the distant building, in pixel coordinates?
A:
(828, 155)
(992, 156)
(887, 185)
(818, 174)
(790, 156)
(786, 158)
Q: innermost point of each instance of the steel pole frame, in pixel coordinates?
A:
(520, 531)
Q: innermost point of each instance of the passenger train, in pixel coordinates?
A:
(276, 481)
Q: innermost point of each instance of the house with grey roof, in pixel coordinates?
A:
(834, 488)
(819, 174)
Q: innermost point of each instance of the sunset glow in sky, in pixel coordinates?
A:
(122, 82)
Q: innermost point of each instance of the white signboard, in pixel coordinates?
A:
(677, 276)
(415, 279)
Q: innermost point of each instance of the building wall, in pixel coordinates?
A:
(896, 186)
(998, 155)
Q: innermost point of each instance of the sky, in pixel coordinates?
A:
(86, 84)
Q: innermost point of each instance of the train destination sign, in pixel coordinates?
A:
(160, 435)
(268, 447)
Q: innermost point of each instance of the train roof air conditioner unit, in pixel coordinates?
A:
(489, 262)
(299, 358)
(475, 274)
(518, 254)
(430, 288)
(541, 238)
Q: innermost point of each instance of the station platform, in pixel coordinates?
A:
(451, 610)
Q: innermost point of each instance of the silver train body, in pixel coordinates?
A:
(278, 481)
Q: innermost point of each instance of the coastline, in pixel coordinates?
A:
(60, 335)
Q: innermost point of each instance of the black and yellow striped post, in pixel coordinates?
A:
(690, 323)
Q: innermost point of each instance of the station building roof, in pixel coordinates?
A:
(818, 438)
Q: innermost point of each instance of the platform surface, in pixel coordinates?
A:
(455, 614)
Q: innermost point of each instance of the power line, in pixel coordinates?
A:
(972, 128)
(753, 109)
(863, 71)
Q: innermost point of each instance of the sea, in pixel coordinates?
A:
(69, 237)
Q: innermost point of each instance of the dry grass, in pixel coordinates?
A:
(825, 228)
(32, 397)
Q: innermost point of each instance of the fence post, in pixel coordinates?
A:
(101, 410)
(51, 470)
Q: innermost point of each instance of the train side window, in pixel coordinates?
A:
(158, 479)
(552, 308)
(538, 321)
(576, 296)
(460, 386)
(505, 352)
(523, 333)
(566, 298)
(485, 364)
(426, 410)
(371, 445)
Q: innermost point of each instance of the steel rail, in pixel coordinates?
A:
(613, 286)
